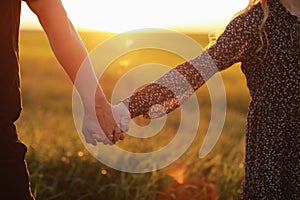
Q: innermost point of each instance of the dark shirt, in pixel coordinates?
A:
(10, 101)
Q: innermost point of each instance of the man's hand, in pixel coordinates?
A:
(92, 131)
(98, 122)
(105, 124)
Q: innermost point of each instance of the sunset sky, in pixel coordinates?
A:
(122, 15)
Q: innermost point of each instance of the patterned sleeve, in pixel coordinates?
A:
(177, 85)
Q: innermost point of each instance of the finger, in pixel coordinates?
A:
(117, 134)
(124, 124)
(98, 138)
(122, 136)
(110, 137)
(107, 142)
(89, 139)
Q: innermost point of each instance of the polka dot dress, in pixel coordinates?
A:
(272, 164)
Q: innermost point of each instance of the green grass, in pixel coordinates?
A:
(61, 168)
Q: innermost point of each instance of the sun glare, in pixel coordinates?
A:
(120, 15)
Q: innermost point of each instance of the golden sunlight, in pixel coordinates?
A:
(120, 15)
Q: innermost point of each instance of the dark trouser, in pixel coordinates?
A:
(14, 178)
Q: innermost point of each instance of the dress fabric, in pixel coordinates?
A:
(272, 163)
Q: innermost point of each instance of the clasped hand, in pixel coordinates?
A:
(107, 124)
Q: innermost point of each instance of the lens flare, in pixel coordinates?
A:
(178, 173)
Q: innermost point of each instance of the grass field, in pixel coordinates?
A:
(62, 169)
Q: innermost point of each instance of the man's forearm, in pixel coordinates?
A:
(68, 48)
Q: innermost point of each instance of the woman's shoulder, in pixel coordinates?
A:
(247, 21)
(250, 19)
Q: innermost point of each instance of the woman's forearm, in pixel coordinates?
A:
(172, 89)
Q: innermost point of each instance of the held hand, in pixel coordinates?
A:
(107, 124)
(122, 117)
(92, 131)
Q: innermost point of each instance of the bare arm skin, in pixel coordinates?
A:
(71, 53)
